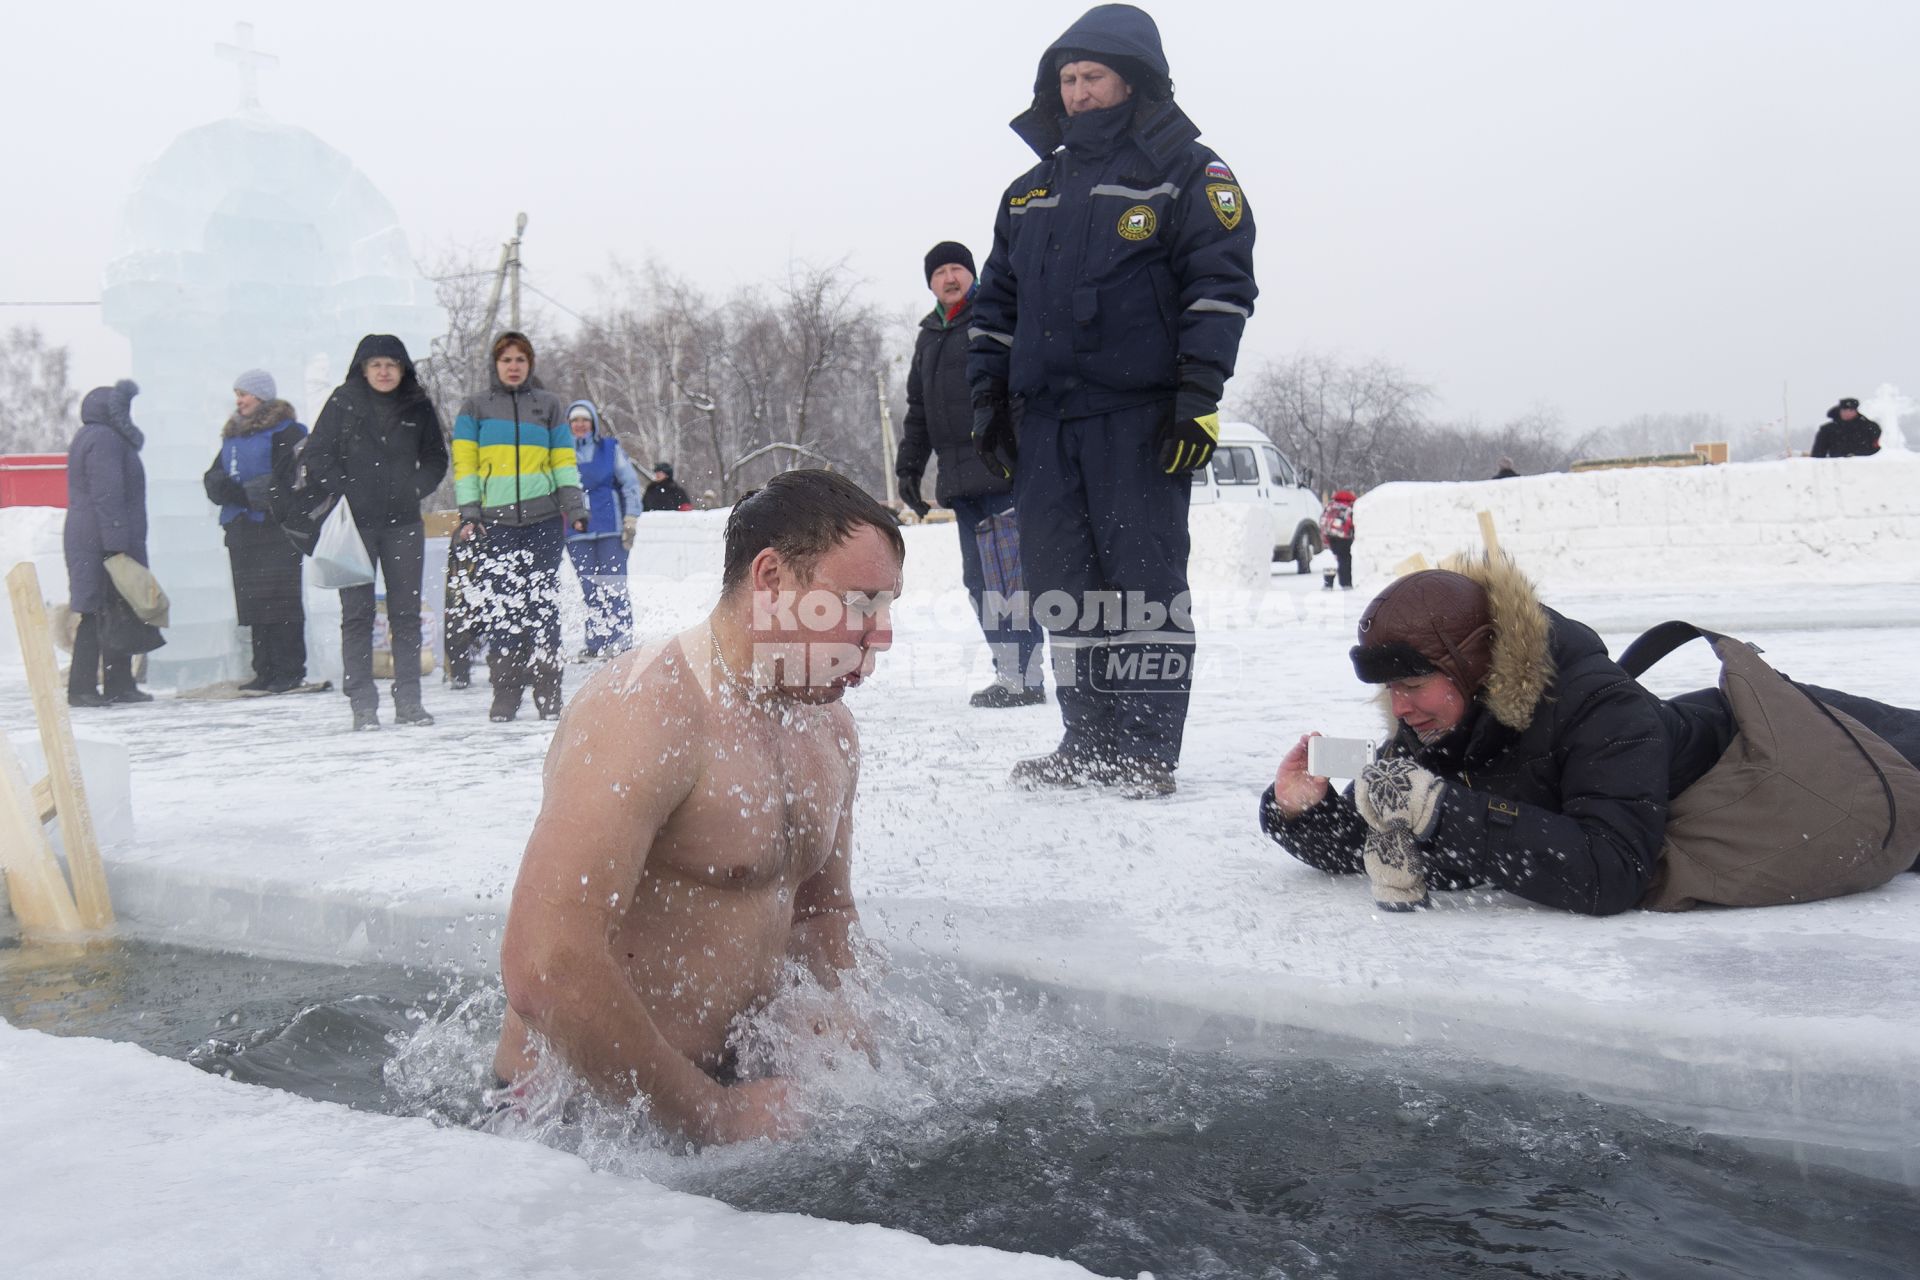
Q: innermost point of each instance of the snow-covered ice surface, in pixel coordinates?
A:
(186, 1174)
(267, 826)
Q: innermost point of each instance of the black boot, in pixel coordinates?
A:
(509, 678)
(546, 686)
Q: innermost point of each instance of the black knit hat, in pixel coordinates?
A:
(948, 251)
(1849, 403)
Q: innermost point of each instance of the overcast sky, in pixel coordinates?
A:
(1609, 208)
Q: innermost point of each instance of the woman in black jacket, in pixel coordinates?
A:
(380, 445)
(258, 439)
(1524, 757)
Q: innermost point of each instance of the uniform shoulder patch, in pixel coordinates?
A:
(1217, 171)
(1227, 203)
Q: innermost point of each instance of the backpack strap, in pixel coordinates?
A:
(1657, 642)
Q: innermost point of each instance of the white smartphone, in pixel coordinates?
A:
(1338, 757)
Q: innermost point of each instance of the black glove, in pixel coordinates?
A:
(1186, 441)
(993, 429)
(910, 494)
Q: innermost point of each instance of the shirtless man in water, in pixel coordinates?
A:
(695, 832)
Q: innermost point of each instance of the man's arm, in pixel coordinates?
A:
(597, 823)
(996, 310)
(823, 910)
(915, 444)
(1212, 262)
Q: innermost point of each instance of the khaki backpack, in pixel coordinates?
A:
(1806, 803)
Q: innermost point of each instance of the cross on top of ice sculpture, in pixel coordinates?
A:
(249, 60)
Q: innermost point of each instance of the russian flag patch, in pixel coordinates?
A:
(1219, 172)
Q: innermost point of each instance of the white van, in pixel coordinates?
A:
(1248, 467)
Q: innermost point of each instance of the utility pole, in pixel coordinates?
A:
(509, 265)
(886, 438)
(513, 265)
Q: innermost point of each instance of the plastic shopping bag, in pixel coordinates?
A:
(340, 558)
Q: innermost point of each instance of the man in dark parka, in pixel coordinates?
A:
(1112, 306)
(1846, 434)
(940, 423)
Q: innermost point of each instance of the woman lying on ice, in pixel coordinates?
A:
(1525, 758)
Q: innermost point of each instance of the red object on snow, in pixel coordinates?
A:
(33, 480)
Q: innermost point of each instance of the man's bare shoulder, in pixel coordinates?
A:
(659, 688)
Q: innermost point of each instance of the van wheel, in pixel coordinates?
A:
(1303, 552)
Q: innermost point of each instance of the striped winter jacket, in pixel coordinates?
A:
(513, 459)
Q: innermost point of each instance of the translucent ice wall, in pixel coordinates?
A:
(1886, 407)
(247, 244)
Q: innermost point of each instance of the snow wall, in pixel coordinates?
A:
(1826, 519)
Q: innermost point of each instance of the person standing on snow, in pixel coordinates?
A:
(940, 421)
(1336, 529)
(517, 481)
(106, 516)
(663, 494)
(379, 444)
(1846, 434)
(258, 438)
(1112, 305)
(599, 552)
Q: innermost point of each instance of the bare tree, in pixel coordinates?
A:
(1343, 422)
(36, 404)
(734, 392)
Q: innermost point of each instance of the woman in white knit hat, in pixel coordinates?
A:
(259, 435)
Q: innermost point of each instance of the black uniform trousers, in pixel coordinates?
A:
(1103, 545)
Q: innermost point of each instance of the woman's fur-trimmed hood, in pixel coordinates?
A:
(1522, 665)
(264, 418)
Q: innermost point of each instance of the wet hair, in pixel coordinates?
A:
(802, 515)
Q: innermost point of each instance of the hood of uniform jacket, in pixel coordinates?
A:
(1125, 38)
(113, 407)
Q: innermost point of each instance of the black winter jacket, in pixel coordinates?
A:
(384, 453)
(1859, 438)
(1569, 810)
(940, 414)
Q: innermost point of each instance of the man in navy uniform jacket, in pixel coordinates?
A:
(1111, 310)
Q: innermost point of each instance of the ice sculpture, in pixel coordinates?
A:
(248, 243)
(1886, 407)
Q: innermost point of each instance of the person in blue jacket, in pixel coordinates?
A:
(260, 434)
(1110, 311)
(599, 552)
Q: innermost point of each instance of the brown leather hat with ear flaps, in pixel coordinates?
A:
(1434, 620)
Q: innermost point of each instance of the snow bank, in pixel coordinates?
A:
(1824, 519)
(30, 534)
(192, 1175)
(104, 772)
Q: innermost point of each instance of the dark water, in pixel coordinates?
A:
(995, 1121)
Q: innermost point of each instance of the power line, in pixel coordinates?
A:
(533, 288)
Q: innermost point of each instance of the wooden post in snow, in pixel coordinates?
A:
(1487, 534)
(29, 860)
